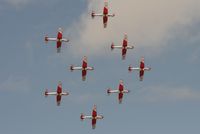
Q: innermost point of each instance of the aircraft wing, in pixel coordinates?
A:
(90, 68)
(87, 117)
(114, 46)
(99, 117)
(65, 93)
(111, 15)
(129, 47)
(50, 39)
(76, 68)
(97, 14)
(51, 93)
(126, 91)
(147, 69)
(135, 68)
(112, 91)
(65, 40)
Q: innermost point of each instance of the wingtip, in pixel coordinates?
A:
(93, 14)
(71, 68)
(108, 91)
(46, 39)
(82, 117)
(129, 68)
(67, 93)
(112, 46)
(46, 92)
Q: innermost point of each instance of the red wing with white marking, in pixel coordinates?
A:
(120, 91)
(94, 117)
(84, 68)
(141, 69)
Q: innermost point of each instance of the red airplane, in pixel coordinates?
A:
(58, 40)
(120, 91)
(141, 69)
(105, 14)
(58, 93)
(94, 117)
(123, 47)
(84, 68)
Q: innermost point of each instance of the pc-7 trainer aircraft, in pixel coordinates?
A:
(123, 47)
(141, 69)
(94, 117)
(120, 91)
(59, 93)
(58, 40)
(105, 14)
(84, 68)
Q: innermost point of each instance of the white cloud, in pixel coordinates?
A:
(16, 83)
(148, 23)
(162, 93)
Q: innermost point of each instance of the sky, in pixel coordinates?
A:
(166, 33)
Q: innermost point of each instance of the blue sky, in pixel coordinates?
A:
(167, 35)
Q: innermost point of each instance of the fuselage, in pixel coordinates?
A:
(124, 47)
(142, 66)
(59, 89)
(84, 71)
(121, 87)
(59, 38)
(105, 11)
(105, 15)
(59, 94)
(84, 64)
(94, 113)
(125, 43)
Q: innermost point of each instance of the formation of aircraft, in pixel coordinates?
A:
(59, 93)
(94, 117)
(105, 14)
(84, 68)
(123, 47)
(141, 69)
(59, 39)
(120, 91)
